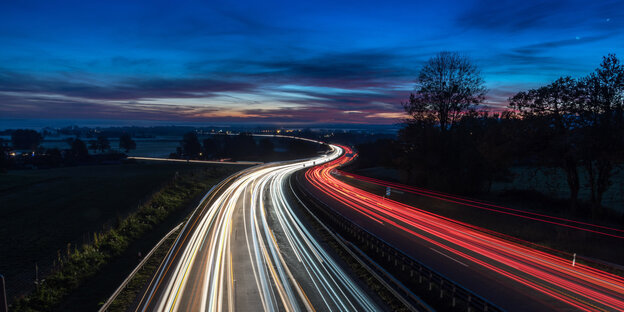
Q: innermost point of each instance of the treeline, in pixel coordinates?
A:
(244, 147)
(450, 144)
(25, 151)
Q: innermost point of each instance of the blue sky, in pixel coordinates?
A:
(280, 61)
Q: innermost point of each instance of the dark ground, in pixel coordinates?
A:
(557, 237)
(42, 211)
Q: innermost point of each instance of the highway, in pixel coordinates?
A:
(244, 249)
(513, 276)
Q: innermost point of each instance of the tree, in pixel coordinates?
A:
(53, 157)
(552, 109)
(5, 159)
(78, 149)
(126, 142)
(93, 145)
(435, 152)
(242, 146)
(448, 85)
(26, 139)
(210, 148)
(190, 145)
(103, 143)
(600, 113)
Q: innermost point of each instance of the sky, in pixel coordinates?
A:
(280, 62)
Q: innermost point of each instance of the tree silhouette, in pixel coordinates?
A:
(78, 149)
(448, 85)
(210, 148)
(190, 145)
(26, 139)
(126, 142)
(599, 110)
(103, 143)
(551, 108)
(93, 145)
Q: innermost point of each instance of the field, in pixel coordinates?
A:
(568, 240)
(46, 211)
(549, 182)
(552, 183)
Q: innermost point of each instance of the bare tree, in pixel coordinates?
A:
(447, 86)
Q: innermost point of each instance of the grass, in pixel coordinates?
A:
(551, 182)
(46, 214)
(127, 297)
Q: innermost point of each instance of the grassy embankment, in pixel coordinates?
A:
(129, 295)
(46, 214)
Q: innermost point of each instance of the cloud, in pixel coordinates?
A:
(517, 16)
(125, 89)
(289, 60)
(347, 69)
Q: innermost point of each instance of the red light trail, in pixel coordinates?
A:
(588, 227)
(580, 286)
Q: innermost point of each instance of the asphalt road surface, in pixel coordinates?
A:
(245, 250)
(514, 277)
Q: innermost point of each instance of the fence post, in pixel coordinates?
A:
(430, 280)
(3, 297)
(453, 303)
(442, 289)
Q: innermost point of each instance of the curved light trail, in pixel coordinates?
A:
(245, 249)
(522, 268)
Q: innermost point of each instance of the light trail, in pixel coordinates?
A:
(246, 250)
(579, 286)
(574, 224)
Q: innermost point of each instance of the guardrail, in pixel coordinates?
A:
(214, 190)
(123, 285)
(409, 272)
(242, 162)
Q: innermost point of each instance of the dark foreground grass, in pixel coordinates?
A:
(129, 295)
(45, 214)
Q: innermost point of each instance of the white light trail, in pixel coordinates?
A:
(290, 268)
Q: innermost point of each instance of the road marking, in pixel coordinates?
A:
(449, 257)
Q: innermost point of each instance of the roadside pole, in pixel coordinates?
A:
(3, 297)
